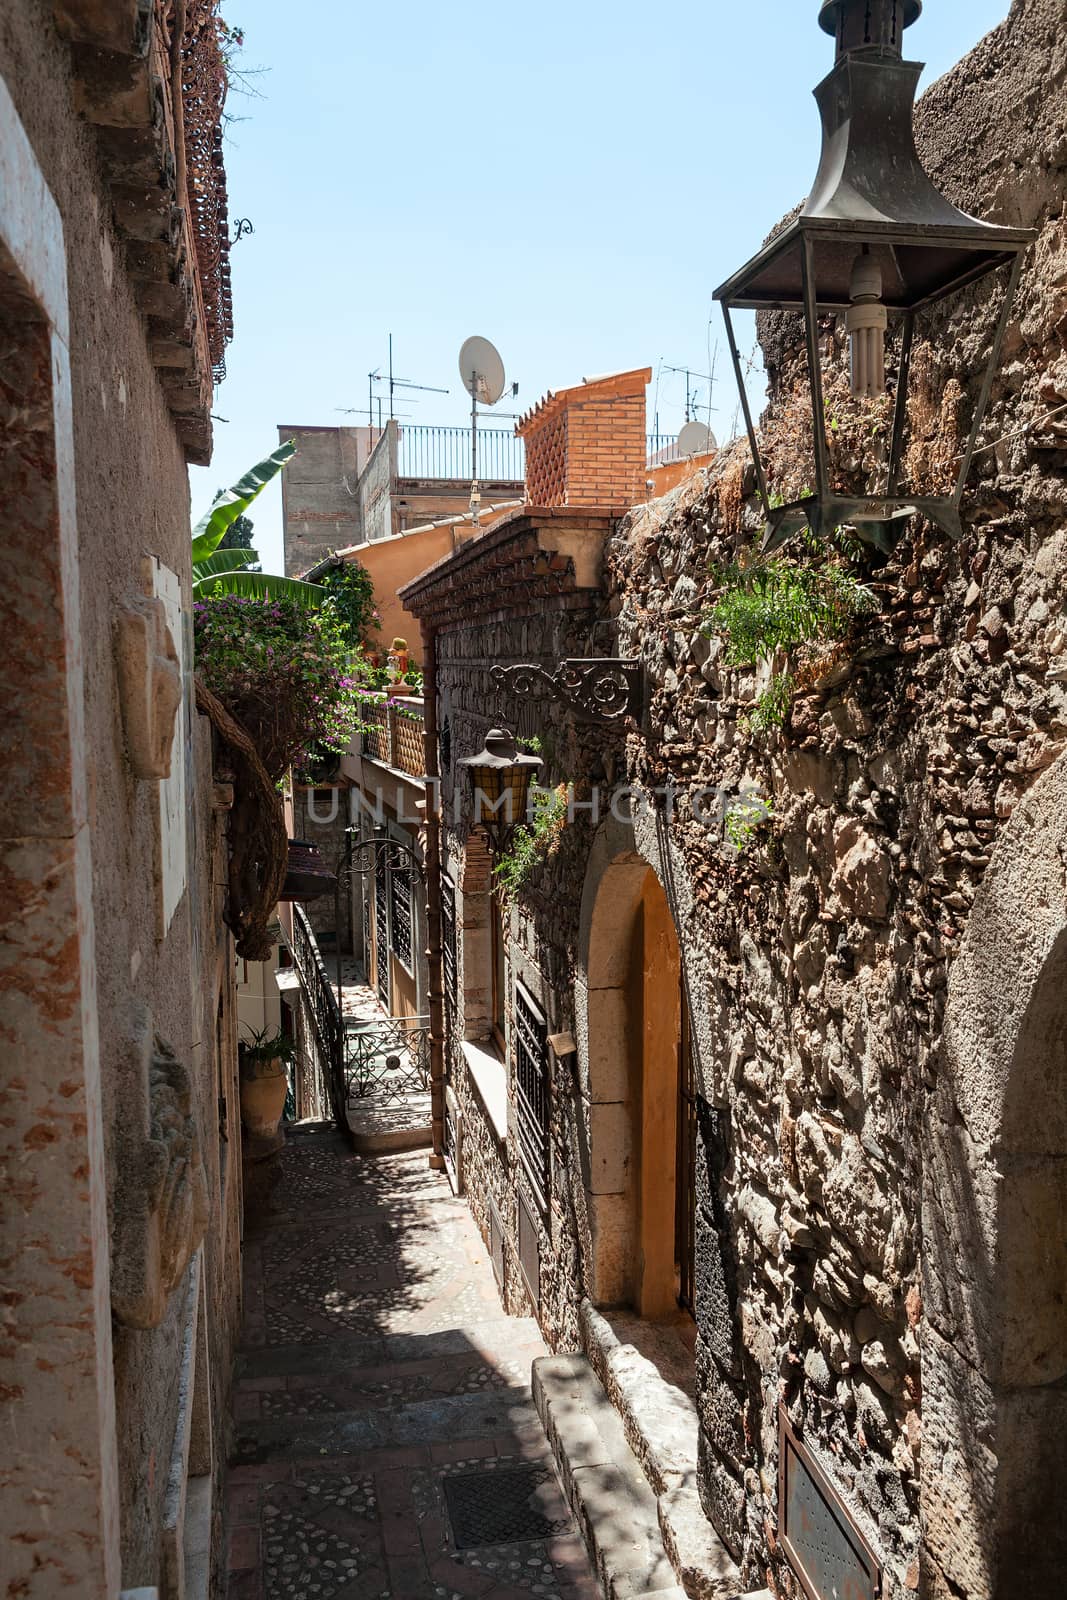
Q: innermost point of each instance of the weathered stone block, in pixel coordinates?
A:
(715, 1300)
(720, 1407)
(611, 1148)
(149, 685)
(161, 1201)
(723, 1499)
(863, 872)
(605, 1060)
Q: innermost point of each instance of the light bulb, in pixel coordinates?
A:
(866, 321)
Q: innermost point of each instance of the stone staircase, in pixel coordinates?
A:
(625, 1443)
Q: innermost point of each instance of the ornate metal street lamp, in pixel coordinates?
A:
(877, 241)
(500, 774)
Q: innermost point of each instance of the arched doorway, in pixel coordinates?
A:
(637, 1091)
(994, 1339)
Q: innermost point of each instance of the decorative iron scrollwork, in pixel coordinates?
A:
(389, 1060)
(602, 689)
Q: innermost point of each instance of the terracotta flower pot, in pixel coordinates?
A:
(264, 1086)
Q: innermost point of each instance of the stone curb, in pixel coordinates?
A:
(641, 1544)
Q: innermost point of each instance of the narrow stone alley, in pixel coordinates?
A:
(385, 1441)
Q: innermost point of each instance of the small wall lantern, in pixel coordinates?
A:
(877, 241)
(500, 778)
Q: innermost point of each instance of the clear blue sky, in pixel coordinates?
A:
(571, 180)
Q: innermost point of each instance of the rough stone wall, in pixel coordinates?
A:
(818, 960)
(132, 500)
(822, 954)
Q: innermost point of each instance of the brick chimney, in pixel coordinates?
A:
(587, 446)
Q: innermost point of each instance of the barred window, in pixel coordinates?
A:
(400, 918)
(531, 1082)
(448, 939)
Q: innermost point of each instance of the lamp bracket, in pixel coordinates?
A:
(878, 520)
(600, 689)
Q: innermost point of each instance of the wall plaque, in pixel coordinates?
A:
(822, 1542)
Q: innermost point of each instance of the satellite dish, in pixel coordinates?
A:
(482, 370)
(695, 439)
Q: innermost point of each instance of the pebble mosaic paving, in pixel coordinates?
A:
(381, 1397)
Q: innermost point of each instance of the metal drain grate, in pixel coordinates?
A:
(504, 1507)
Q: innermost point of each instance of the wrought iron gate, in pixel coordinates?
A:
(389, 1059)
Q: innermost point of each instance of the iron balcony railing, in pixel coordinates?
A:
(326, 1025)
(424, 452)
(389, 1059)
(662, 447)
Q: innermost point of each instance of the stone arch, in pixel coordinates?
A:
(628, 1016)
(994, 1353)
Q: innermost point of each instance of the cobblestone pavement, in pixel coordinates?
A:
(385, 1442)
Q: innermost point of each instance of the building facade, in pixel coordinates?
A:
(358, 486)
(121, 1136)
(774, 1094)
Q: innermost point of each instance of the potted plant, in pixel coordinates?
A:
(398, 658)
(265, 1060)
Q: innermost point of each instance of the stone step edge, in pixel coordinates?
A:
(682, 1553)
(392, 1142)
(604, 1485)
(660, 1422)
(660, 1425)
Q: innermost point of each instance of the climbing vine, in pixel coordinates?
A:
(534, 840)
(770, 607)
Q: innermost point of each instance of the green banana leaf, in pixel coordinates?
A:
(261, 586)
(223, 561)
(232, 503)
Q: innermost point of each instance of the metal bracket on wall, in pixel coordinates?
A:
(598, 688)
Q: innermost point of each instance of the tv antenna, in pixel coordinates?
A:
(482, 372)
(690, 397)
(394, 383)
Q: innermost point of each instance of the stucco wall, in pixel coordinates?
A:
(132, 501)
(320, 503)
(393, 562)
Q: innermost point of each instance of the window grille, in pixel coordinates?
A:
(448, 941)
(401, 933)
(381, 934)
(451, 1143)
(531, 1082)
